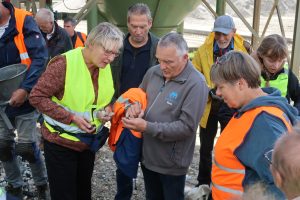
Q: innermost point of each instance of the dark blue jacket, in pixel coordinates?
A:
(128, 153)
(59, 43)
(9, 54)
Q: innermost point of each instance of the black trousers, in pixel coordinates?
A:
(69, 172)
(163, 187)
(219, 113)
(124, 186)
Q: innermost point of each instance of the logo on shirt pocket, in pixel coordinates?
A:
(172, 98)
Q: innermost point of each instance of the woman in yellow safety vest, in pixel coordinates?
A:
(74, 95)
(272, 55)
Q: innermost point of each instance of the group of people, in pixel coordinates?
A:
(81, 89)
(249, 96)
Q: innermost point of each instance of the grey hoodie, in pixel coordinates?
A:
(173, 113)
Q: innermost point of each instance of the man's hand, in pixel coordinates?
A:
(136, 124)
(18, 97)
(83, 124)
(134, 111)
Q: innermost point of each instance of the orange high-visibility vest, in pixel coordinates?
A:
(79, 42)
(19, 38)
(130, 97)
(227, 171)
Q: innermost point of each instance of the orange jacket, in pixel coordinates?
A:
(80, 40)
(227, 171)
(130, 97)
(19, 38)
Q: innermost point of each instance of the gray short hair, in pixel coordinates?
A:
(106, 35)
(70, 19)
(233, 66)
(45, 14)
(139, 9)
(176, 40)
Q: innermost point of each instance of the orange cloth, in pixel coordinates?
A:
(19, 38)
(128, 98)
(79, 42)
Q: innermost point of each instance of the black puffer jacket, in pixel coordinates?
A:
(59, 43)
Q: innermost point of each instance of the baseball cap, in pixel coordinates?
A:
(223, 24)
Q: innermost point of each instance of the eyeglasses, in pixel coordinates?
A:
(268, 156)
(109, 52)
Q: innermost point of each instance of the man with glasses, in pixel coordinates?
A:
(262, 116)
(171, 118)
(138, 53)
(222, 40)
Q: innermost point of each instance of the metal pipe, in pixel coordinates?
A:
(256, 22)
(221, 7)
(242, 18)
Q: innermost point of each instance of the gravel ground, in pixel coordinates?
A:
(103, 181)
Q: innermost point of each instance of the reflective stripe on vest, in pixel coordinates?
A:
(79, 94)
(227, 171)
(19, 38)
(280, 83)
(71, 128)
(238, 171)
(228, 190)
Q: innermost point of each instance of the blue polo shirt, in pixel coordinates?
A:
(135, 64)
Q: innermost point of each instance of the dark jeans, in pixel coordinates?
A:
(69, 172)
(124, 186)
(220, 113)
(163, 187)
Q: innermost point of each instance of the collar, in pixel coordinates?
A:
(219, 52)
(183, 76)
(129, 47)
(50, 35)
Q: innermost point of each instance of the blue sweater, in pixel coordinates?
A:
(265, 130)
(9, 54)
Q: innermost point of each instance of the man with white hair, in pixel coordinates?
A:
(170, 121)
(57, 39)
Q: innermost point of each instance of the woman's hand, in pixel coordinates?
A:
(105, 115)
(83, 124)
